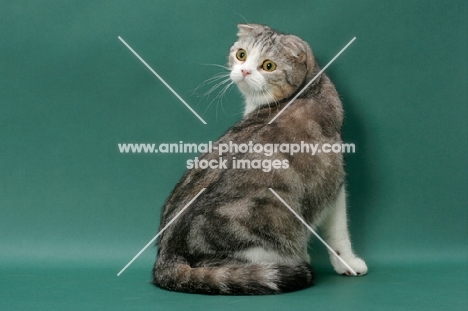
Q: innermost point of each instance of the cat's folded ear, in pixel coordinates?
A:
(247, 29)
(298, 49)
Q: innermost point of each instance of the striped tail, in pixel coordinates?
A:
(233, 279)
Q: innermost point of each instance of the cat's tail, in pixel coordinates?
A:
(234, 279)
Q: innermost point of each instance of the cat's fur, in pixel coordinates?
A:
(237, 237)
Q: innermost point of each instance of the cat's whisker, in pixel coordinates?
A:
(256, 94)
(217, 65)
(220, 94)
(213, 79)
(214, 87)
(262, 94)
(221, 79)
(269, 99)
(223, 93)
(209, 104)
(273, 98)
(216, 77)
(220, 98)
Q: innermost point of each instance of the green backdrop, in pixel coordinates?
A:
(74, 210)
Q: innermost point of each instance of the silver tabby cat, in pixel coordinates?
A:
(237, 237)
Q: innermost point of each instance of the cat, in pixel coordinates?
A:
(237, 238)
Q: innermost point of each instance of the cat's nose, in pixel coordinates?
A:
(245, 72)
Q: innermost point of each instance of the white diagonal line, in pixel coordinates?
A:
(313, 231)
(159, 233)
(162, 80)
(310, 82)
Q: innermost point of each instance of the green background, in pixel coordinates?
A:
(74, 211)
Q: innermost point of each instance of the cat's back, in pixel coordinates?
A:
(310, 121)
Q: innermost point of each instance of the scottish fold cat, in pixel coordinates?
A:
(237, 237)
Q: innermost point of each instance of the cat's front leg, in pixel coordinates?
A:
(336, 234)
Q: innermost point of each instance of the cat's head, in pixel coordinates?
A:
(268, 66)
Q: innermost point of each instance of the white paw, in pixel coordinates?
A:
(356, 263)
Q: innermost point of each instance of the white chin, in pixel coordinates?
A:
(252, 102)
(248, 90)
(254, 97)
(244, 87)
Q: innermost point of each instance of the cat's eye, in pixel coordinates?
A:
(241, 55)
(268, 65)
